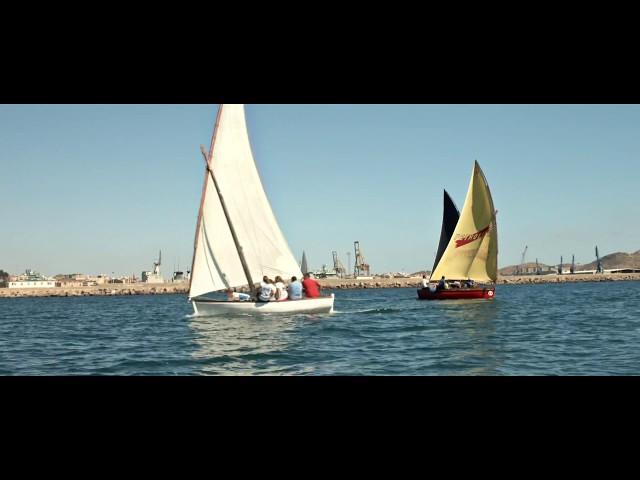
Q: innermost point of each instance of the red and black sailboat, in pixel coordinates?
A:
(467, 256)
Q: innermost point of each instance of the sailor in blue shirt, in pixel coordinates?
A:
(295, 289)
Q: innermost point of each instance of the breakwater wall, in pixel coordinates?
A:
(327, 284)
(98, 291)
(588, 277)
(346, 284)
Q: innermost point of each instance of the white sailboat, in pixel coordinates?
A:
(238, 240)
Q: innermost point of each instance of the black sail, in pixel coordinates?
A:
(449, 222)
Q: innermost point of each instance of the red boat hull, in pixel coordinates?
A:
(458, 294)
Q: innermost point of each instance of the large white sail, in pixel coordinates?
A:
(473, 249)
(217, 263)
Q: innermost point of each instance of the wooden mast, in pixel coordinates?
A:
(243, 260)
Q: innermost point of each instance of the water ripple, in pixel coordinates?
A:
(565, 329)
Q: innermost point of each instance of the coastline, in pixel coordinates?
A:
(416, 282)
(327, 284)
(98, 290)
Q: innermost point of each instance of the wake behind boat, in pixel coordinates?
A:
(466, 265)
(238, 239)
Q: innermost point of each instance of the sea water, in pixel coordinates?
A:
(552, 329)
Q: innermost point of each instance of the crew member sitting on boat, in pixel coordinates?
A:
(281, 290)
(295, 289)
(442, 284)
(311, 286)
(425, 282)
(267, 290)
(233, 296)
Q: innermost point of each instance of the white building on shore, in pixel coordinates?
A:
(31, 279)
(155, 276)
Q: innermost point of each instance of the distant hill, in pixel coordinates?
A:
(420, 274)
(614, 260)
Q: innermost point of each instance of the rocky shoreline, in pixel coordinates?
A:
(606, 277)
(99, 291)
(346, 284)
(327, 284)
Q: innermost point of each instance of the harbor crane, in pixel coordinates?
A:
(361, 268)
(337, 265)
(521, 268)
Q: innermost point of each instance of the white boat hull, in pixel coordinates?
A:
(209, 308)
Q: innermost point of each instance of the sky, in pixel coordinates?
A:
(102, 188)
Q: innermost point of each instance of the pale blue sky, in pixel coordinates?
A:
(102, 188)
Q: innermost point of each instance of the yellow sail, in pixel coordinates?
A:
(473, 249)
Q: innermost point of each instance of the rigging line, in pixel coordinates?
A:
(245, 267)
(204, 192)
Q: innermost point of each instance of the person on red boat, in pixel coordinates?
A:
(311, 287)
(442, 284)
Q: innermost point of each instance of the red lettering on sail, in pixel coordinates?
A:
(467, 239)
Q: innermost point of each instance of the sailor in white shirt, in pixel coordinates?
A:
(267, 290)
(283, 294)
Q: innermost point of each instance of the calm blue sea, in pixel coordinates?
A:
(568, 329)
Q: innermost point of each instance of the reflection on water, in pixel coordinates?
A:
(362, 333)
(471, 312)
(474, 323)
(240, 345)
